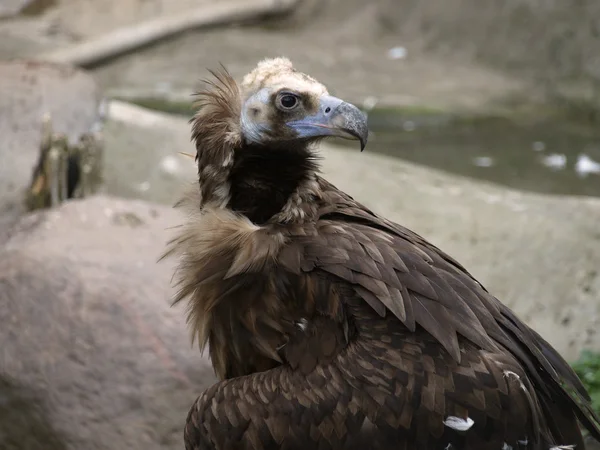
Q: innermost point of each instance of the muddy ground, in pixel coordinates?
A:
(341, 43)
(458, 55)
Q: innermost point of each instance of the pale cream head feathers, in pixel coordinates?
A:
(278, 73)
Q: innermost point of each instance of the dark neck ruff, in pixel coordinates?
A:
(263, 178)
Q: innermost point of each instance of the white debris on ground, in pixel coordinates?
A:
(586, 165)
(397, 53)
(538, 146)
(170, 165)
(483, 161)
(143, 186)
(555, 161)
(370, 103)
(409, 125)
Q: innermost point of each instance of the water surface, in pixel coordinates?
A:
(556, 158)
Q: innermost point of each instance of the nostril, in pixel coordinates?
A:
(327, 110)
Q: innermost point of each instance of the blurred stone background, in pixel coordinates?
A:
(485, 140)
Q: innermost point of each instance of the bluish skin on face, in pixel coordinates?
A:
(334, 117)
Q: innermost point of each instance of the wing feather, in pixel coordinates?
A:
(392, 273)
(394, 269)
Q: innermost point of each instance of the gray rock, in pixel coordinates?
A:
(88, 18)
(538, 254)
(92, 355)
(52, 24)
(28, 91)
(142, 158)
(562, 50)
(9, 8)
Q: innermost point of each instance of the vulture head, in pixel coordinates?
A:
(280, 104)
(254, 140)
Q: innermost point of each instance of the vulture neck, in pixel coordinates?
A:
(273, 183)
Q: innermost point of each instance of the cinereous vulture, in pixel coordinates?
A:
(329, 326)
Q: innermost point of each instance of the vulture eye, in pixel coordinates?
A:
(288, 101)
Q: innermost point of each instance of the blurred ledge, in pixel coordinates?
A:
(129, 38)
(391, 115)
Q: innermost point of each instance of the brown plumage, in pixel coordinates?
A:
(329, 326)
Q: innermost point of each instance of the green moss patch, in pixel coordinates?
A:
(587, 368)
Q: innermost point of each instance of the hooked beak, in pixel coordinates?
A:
(335, 117)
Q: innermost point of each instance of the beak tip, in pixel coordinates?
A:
(363, 139)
